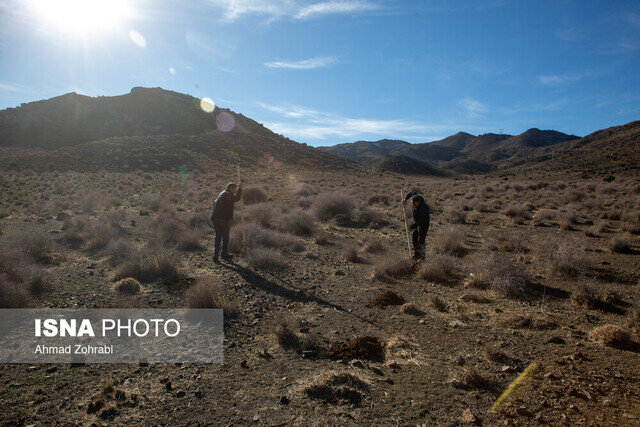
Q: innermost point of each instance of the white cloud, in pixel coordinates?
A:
(473, 107)
(335, 7)
(554, 80)
(298, 9)
(317, 125)
(305, 64)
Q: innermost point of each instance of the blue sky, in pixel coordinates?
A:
(326, 72)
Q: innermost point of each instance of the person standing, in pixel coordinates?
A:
(421, 218)
(222, 216)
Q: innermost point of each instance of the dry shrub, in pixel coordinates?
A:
(505, 243)
(350, 254)
(261, 237)
(449, 240)
(439, 268)
(411, 308)
(387, 298)
(518, 321)
(253, 195)
(302, 189)
(373, 246)
(189, 240)
(297, 222)
(519, 212)
(585, 296)
(127, 286)
(393, 267)
(286, 337)
(338, 388)
(544, 217)
(39, 246)
(149, 267)
(321, 239)
(153, 201)
(262, 214)
(633, 320)
(99, 234)
(12, 295)
(612, 336)
(89, 201)
(367, 348)
(372, 217)
(454, 215)
(380, 199)
(470, 379)
(207, 293)
(566, 257)
(632, 227)
(266, 258)
(38, 283)
(497, 272)
(621, 245)
(120, 251)
(437, 303)
(326, 206)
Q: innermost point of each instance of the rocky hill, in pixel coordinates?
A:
(462, 152)
(146, 129)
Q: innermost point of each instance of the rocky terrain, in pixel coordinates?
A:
(533, 264)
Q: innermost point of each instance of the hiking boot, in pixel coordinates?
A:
(227, 256)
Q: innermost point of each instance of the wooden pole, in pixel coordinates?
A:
(406, 226)
(244, 240)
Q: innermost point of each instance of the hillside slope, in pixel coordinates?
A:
(462, 152)
(146, 129)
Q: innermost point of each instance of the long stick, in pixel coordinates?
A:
(406, 226)
(244, 240)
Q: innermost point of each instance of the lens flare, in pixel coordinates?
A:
(225, 122)
(137, 38)
(84, 16)
(207, 105)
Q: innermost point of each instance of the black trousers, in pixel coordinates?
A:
(419, 237)
(222, 228)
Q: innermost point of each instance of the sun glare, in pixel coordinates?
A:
(82, 15)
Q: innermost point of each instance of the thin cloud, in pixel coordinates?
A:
(305, 64)
(555, 80)
(335, 7)
(295, 9)
(473, 107)
(318, 125)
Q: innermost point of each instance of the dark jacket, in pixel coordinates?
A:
(223, 206)
(421, 215)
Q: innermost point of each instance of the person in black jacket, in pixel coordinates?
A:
(420, 223)
(222, 216)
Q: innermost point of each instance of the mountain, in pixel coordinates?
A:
(462, 152)
(404, 165)
(611, 151)
(146, 129)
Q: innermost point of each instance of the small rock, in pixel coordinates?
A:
(198, 394)
(284, 400)
(523, 411)
(51, 369)
(556, 340)
(168, 386)
(181, 393)
(244, 365)
(469, 417)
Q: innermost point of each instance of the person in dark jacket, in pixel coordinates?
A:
(420, 223)
(222, 216)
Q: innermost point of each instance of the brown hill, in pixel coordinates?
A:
(611, 151)
(462, 152)
(405, 165)
(146, 129)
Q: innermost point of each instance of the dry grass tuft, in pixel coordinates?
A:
(206, 293)
(471, 379)
(497, 272)
(391, 267)
(621, 245)
(373, 247)
(338, 388)
(149, 267)
(439, 268)
(366, 348)
(411, 308)
(449, 240)
(327, 206)
(387, 298)
(127, 286)
(266, 259)
(612, 336)
(437, 303)
(518, 321)
(350, 254)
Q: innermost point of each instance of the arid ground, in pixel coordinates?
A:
(327, 322)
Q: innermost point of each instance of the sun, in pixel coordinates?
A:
(82, 15)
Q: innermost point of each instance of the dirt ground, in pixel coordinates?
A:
(519, 271)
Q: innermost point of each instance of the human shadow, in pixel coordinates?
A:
(273, 288)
